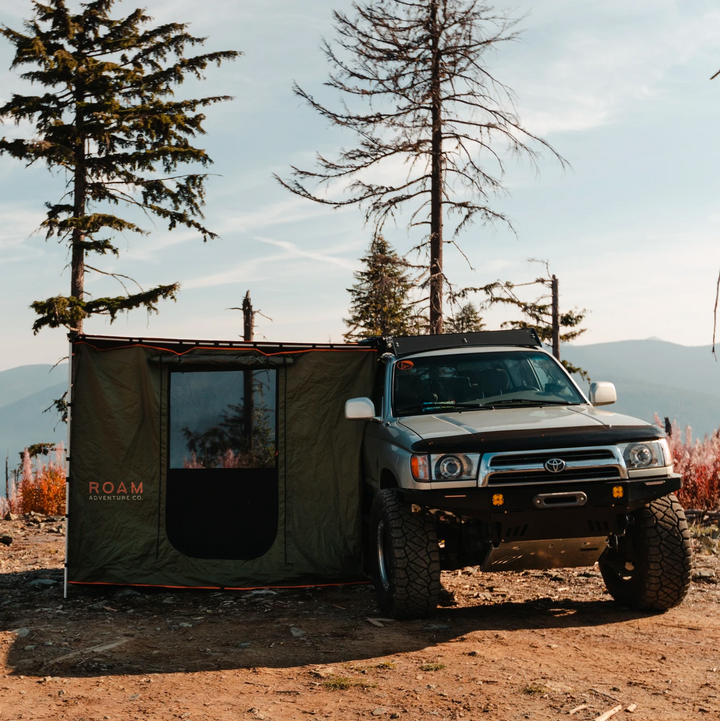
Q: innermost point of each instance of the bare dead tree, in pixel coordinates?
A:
(715, 310)
(248, 405)
(414, 72)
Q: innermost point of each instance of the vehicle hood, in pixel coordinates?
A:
(525, 428)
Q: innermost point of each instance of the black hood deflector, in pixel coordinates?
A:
(534, 439)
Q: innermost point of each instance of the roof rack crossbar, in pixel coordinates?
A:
(406, 345)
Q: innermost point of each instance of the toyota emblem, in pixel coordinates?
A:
(555, 465)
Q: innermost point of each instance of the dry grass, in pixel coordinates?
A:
(432, 667)
(534, 689)
(341, 683)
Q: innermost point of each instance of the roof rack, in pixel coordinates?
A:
(104, 342)
(406, 345)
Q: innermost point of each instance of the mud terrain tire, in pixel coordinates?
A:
(651, 567)
(404, 558)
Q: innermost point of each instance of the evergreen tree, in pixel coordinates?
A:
(467, 320)
(109, 120)
(538, 315)
(416, 87)
(379, 304)
(538, 312)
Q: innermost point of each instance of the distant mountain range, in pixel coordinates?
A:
(651, 376)
(25, 392)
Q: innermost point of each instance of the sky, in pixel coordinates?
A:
(631, 228)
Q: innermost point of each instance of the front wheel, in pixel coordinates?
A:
(649, 568)
(405, 558)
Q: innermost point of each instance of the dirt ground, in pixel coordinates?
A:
(531, 645)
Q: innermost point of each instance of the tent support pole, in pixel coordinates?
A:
(67, 473)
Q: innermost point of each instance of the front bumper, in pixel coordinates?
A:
(601, 507)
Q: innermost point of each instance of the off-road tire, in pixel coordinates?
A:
(404, 558)
(651, 567)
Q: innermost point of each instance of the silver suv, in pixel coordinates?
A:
(480, 449)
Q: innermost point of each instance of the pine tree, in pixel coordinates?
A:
(416, 87)
(380, 304)
(109, 120)
(539, 314)
(466, 320)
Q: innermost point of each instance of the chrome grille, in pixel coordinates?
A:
(528, 467)
(594, 454)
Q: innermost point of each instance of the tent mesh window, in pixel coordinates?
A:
(222, 478)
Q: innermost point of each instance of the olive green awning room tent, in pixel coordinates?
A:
(214, 464)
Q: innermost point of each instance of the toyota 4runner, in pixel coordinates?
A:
(480, 449)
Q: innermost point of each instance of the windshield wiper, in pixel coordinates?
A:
(530, 401)
(448, 407)
(473, 405)
(442, 406)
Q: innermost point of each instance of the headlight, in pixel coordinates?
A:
(454, 466)
(651, 454)
(445, 467)
(449, 468)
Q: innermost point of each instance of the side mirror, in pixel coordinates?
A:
(359, 409)
(602, 393)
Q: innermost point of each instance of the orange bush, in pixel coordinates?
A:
(41, 489)
(45, 493)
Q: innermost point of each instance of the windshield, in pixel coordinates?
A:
(509, 379)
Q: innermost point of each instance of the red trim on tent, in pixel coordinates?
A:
(221, 588)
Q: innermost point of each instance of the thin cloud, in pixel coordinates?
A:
(272, 267)
(147, 249)
(594, 71)
(242, 272)
(297, 252)
(289, 210)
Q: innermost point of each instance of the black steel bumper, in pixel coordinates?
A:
(573, 510)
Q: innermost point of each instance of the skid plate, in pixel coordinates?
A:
(554, 553)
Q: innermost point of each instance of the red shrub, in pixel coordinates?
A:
(699, 464)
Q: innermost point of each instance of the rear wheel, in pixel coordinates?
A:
(649, 568)
(404, 558)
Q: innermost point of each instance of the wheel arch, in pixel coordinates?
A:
(388, 479)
